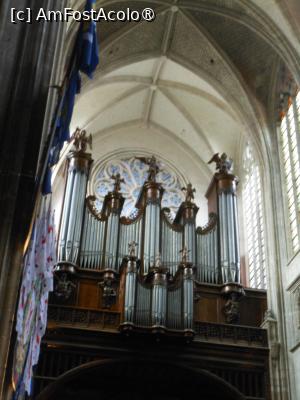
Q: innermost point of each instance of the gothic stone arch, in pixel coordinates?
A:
(138, 379)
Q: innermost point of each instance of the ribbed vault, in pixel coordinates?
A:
(195, 81)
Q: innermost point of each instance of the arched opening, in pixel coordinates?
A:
(138, 379)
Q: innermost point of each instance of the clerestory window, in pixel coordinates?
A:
(290, 149)
(253, 221)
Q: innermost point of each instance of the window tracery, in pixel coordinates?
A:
(253, 221)
(135, 172)
(290, 150)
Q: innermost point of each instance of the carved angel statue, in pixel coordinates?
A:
(118, 180)
(189, 193)
(184, 254)
(64, 287)
(153, 167)
(132, 248)
(81, 140)
(109, 293)
(223, 163)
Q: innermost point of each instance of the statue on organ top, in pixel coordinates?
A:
(118, 180)
(189, 193)
(161, 274)
(223, 163)
(153, 167)
(81, 140)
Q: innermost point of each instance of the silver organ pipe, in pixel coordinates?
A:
(188, 297)
(159, 299)
(190, 240)
(92, 242)
(158, 279)
(171, 244)
(153, 195)
(207, 252)
(73, 207)
(236, 240)
(174, 309)
(189, 212)
(66, 214)
(156, 304)
(130, 231)
(151, 243)
(229, 248)
(142, 306)
(112, 241)
(130, 290)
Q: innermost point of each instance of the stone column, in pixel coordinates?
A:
(28, 55)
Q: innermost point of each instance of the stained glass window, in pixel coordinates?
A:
(253, 220)
(134, 173)
(290, 147)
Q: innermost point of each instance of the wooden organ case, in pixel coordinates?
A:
(122, 282)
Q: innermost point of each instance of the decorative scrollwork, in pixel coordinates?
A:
(133, 217)
(90, 202)
(167, 216)
(212, 222)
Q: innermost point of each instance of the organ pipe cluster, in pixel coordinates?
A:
(159, 281)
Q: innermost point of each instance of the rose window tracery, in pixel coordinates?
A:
(134, 173)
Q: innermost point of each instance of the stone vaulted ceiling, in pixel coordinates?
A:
(195, 81)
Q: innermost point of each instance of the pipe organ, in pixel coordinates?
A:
(148, 264)
(73, 209)
(208, 251)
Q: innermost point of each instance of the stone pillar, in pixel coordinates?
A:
(270, 323)
(28, 55)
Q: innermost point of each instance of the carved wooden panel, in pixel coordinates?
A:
(253, 307)
(76, 317)
(88, 294)
(209, 305)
